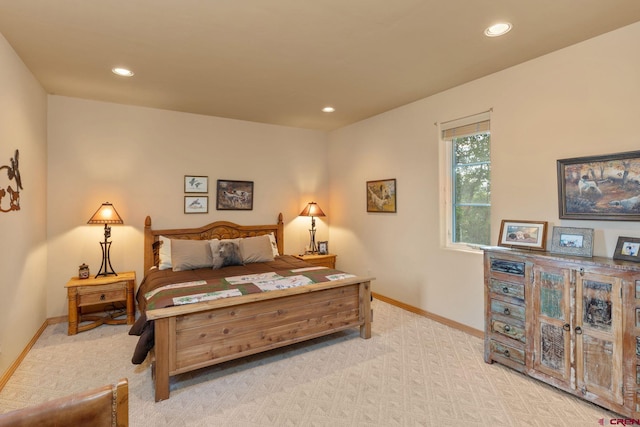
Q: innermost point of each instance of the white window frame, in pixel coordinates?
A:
(446, 179)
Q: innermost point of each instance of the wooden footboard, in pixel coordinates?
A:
(204, 334)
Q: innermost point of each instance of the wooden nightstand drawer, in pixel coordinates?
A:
(87, 296)
(328, 260)
(105, 293)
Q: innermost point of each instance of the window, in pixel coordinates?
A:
(468, 198)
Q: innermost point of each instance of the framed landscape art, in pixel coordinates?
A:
(600, 187)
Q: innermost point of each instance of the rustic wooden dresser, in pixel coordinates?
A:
(571, 322)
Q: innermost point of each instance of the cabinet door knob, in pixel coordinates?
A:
(507, 354)
(566, 327)
(507, 311)
(507, 328)
(102, 297)
(578, 330)
(505, 290)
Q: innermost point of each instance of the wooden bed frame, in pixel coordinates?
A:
(193, 336)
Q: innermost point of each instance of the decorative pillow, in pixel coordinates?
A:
(165, 253)
(256, 249)
(274, 245)
(225, 252)
(190, 254)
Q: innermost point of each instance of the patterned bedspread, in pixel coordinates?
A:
(212, 289)
(164, 288)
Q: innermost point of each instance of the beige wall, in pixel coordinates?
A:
(579, 101)
(23, 261)
(136, 158)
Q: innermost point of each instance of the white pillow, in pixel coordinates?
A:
(165, 253)
(274, 244)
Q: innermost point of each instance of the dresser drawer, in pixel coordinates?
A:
(99, 294)
(507, 309)
(507, 352)
(516, 268)
(510, 330)
(508, 289)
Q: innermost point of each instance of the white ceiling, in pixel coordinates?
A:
(281, 61)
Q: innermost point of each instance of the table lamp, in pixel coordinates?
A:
(313, 210)
(106, 214)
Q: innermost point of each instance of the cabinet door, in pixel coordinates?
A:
(599, 335)
(552, 322)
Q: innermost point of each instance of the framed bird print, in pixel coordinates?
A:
(196, 184)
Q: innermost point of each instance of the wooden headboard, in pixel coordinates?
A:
(215, 230)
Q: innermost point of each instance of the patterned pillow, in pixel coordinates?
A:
(225, 252)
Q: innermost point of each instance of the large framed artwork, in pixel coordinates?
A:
(600, 187)
(523, 234)
(234, 195)
(381, 195)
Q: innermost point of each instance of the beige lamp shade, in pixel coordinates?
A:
(312, 209)
(106, 214)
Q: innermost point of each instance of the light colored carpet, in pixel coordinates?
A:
(412, 372)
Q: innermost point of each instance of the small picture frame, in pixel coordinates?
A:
(381, 196)
(234, 195)
(323, 248)
(627, 249)
(196, 184)
(572, 241)
(523, 234)
(196, 204)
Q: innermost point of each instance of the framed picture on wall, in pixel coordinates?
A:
(381, 195)
(234, 195)
(196, 204)
(600, 187)
(196, 184)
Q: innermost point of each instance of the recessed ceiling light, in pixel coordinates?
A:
(122, 72)
(328, 109)
(498, 29)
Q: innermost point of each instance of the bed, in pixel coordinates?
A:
(189, 329)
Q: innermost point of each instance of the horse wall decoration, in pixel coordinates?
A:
(9, 196)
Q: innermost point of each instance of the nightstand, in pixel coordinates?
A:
(328, 260)
(100, 290)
